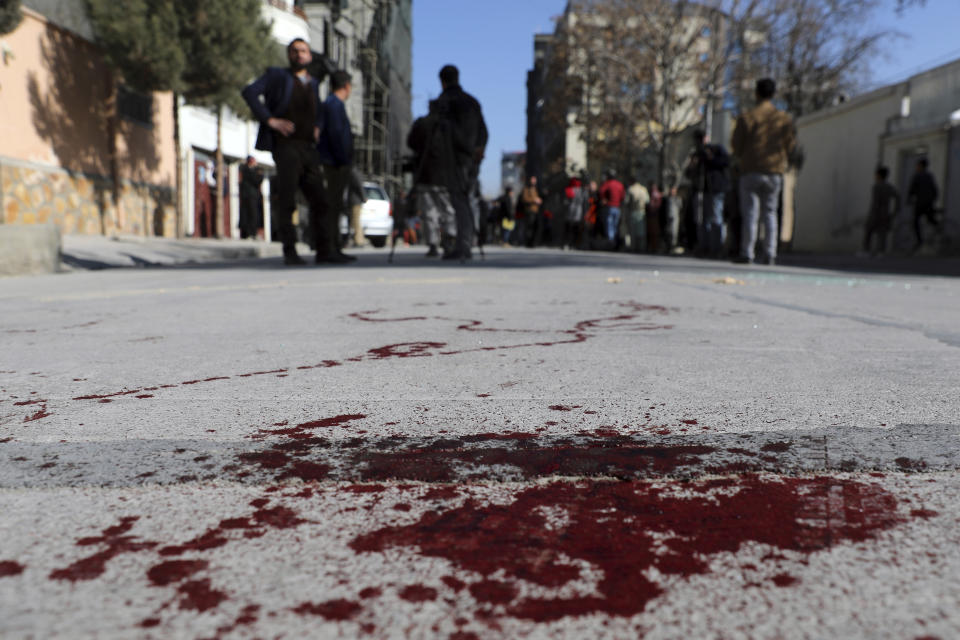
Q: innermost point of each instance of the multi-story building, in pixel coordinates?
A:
(571, 94)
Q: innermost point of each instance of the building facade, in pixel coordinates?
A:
(892, 126)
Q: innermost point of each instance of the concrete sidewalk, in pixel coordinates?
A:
(82, 252)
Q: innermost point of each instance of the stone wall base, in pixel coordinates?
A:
(83, 203)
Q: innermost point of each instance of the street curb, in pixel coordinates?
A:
(29, 249)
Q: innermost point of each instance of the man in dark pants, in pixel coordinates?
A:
(923, 195)
(469, 133)
(336, 159)
(251, 199)
(287, 104)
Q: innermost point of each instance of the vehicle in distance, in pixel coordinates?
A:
(376, 216)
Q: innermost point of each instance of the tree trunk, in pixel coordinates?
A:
(221, 180)
(112, 153)
(178, 188)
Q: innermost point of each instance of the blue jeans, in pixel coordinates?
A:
(712, 231)
(613, 222)
(759, 198)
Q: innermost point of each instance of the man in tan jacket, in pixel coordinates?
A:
(763, 140)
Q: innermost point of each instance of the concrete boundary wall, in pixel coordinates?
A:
(77, 202)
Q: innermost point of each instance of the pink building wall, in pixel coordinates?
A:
(56, 163)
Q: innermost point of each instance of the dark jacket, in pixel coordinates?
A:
(269, 96)
(469, 130)
(715, 164)
(336, 138)
(923, 190)
(431, 140)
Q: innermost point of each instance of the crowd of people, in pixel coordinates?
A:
(714, 209)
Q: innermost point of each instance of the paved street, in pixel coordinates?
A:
(543, 444)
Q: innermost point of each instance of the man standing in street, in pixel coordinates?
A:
(287, 104)
(336, 162)
(469, 134)
(611, 193)
(763, 140)
(251, 198)
(707, 171)
(431, 140)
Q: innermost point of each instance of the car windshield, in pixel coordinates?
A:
(374, 193)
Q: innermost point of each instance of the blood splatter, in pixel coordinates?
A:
(909, 464)
(198, 595)
(172, 571)
(608, 457)
(776, 447)
(331, 609)
(784, 580)
(406, 350)
(627, 529)
(116, 543)
(418, 593)
(10, 568)
(39, 415)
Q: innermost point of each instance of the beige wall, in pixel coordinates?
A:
(842, 150)
(55, 156)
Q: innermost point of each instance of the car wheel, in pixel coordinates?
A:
(378, 241)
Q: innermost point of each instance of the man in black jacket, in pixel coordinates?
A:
(707, 171)
(287, 104)
(469, 137)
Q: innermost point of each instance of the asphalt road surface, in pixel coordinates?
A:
(538, 445)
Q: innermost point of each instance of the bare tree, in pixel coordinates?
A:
(635, 74)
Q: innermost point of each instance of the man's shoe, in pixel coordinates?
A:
(432, 253)
(770, 260)
(293, 260)
(742, 260)
(346, 257)
(333, 258)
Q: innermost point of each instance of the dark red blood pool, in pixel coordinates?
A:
(625, 529)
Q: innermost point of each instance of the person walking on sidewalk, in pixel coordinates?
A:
(922, 195)
(763, 140)
(287, 104)
(335, 149)
(884, 204)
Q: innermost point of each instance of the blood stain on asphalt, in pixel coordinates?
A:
(784, 580)
(116, 542)
(776, 447)
(172, 571)
(199, 596)
(418, 593)
(39, 415)
(607, 457)
(649, 526)
(334, 610)
(10, 568)
(909, 464)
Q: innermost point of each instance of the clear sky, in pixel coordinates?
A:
(491, 41)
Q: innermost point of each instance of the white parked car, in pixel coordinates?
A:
(376, 216)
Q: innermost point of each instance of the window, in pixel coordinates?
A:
(134, 106)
